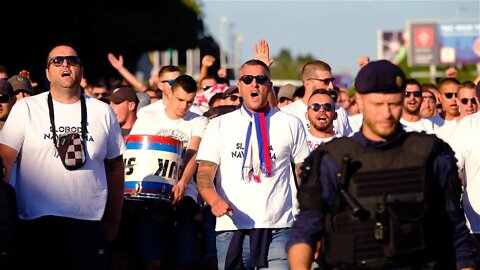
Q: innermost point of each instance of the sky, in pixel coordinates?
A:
(337, 32)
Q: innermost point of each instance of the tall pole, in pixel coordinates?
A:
(223, 41)
(237, 56)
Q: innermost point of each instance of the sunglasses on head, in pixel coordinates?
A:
(317, 106)
(283, 99)
(100, 94)
(22, 92)
(234, 98)
(170, 82)
(248, 79)
(465, 101)
(4, 98)
(416, 94)
(58, 61)
(432, 98)
(326, 81)
(450, 95)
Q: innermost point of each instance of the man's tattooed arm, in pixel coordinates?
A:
(206, 175)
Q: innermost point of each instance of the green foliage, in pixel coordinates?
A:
(465, 72)
(192, 4)
(286, 68)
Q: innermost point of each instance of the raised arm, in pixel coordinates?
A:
(261, 51)
(117, 63)
(207, 62)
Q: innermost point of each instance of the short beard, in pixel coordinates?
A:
(322, 128)
(413, 112)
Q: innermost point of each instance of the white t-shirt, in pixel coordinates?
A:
(422, 125)
(340, 125)
(43, 185)
(466, 144)
(314, 142)
(446, 127)
(271, 203)
(160, 106)
(355, 122)
(156, 122)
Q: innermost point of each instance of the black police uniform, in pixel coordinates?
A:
(362, 234)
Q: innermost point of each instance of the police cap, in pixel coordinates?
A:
(380, 77)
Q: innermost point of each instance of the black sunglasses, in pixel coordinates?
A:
(58, 61)
(4, 98)
(248, 79)
(317, 106)
(168, 81)
(465, 101)
(450, 95)
(416, 94)
(326, 81)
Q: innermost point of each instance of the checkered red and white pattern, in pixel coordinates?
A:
(203, 98)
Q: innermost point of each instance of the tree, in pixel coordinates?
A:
(286, 68)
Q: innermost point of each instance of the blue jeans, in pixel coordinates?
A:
(277, 255)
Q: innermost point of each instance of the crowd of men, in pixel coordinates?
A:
(386, 177)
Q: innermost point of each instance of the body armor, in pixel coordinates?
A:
(391, 191)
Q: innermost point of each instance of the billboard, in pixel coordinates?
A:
(391, 45)
(459, 43)
(442, 43)
(423, 49)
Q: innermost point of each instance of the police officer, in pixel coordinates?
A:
(389, 199)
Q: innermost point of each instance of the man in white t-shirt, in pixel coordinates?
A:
(411, 119)
(446, 120)
(317, 74)
(467, 99)
(320, 114)
(254, 198)
(176, 121)
(466, 145)
(166, 77)
(62, 200)
(124, 102)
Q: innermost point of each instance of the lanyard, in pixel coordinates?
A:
(52, 117)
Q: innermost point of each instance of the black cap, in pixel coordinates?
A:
(122, 94)
(380, 77)
(6, 88)
(21, 83)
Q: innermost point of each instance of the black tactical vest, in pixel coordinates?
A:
(394, 187)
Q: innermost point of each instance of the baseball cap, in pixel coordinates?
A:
(286, 91)
(143, 100)
(6, 88)
(122, 94)
(380, 76)
(21, 83)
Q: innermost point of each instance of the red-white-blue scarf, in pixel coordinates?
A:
(256, 158)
